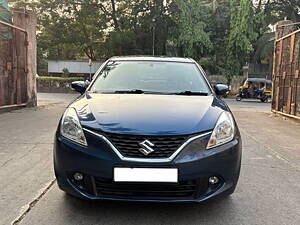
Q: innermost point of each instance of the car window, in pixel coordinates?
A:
(167, 77)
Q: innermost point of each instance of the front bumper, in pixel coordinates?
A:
(195, 167)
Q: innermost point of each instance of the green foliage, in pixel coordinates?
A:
(282, 9)
(119, 43)
(222, 34)
(241, 36)
(264, 47)
(193, 36)
(60, 79)
(209, 65)
(220, 30)
(65, 72)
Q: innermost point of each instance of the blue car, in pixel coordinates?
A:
(148, 129)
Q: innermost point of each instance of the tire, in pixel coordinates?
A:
(264, 99)
(238, 98)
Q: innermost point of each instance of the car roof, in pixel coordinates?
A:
(152, 58)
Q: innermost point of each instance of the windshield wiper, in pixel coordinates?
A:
(135, 91)
(139, 91)
(191, 93)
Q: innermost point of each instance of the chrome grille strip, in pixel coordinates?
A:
(147, 160)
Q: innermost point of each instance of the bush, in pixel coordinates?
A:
(56, 84)
(60, 79)
(66, 72)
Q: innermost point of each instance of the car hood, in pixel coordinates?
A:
(146, 114)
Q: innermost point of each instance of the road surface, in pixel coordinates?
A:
(267, 193)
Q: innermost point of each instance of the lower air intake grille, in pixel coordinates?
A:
(187, 189)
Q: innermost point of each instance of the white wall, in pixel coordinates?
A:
(72, 66)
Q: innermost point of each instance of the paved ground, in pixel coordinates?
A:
(268, 190)
(249, 105)
(45, 99)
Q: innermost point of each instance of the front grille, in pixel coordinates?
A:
(185, 190)
(164, 146)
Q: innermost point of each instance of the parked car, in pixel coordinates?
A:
(148, 129)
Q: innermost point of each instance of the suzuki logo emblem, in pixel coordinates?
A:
(146, 147)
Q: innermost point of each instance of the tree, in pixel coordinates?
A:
(192, 35)
(241, 36)
(286, 9)
(222, 34)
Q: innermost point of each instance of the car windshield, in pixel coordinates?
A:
(152, 77)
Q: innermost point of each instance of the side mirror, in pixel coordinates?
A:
(221, 89)
(80, 86)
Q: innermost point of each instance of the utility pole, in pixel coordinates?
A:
(153, 37)
(90, 65)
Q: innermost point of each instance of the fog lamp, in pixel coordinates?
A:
(78, 176)
(213, 180)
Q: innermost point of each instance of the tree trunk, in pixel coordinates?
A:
(114, 16)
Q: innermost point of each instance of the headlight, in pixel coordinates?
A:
(70, 127)
(223, 132)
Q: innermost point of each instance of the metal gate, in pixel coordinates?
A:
(13, 65)
(286, 82)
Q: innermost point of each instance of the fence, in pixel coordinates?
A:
(286, 82)
(13, 65)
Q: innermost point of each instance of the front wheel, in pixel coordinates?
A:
(238, 98)
(264, 99)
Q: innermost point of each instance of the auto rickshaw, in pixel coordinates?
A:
(255, 88)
